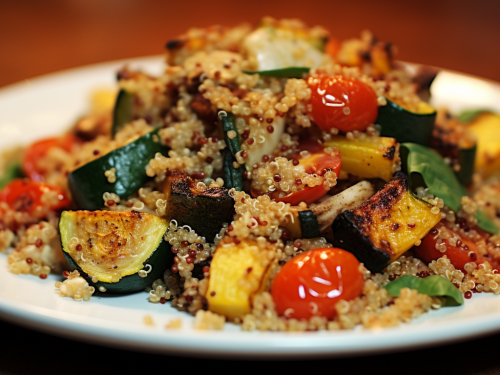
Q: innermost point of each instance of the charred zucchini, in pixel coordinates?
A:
(122, 252)
(88, 182)
(290, 72)
(237, 273)
(372, 157)
(407, 126)
(385, 226)
(204, 209)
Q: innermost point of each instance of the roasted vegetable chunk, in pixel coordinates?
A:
(386, 225)
(372, 157)
(119, 252)
(204, 209)
(237, 273)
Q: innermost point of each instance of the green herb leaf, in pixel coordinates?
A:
(404, 125)
(12, 171)
(426, 167)
(470, 115)
(122, 112)
(291, 72)
(435, 286)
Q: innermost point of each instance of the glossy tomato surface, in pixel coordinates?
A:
(313, 282)
(342, 103)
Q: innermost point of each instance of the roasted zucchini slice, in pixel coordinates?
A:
(122, 111)
(385, 226)
(372, 157)
(204, 209)
(237, 273)
(406, 126)
(122, 252)
(88, 182)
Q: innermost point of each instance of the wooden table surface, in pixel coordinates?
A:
(39, 37)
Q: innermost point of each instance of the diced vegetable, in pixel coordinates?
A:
(486, 127)
(311, 283)
(122, 111)
(349, 199)
(426, 167)
(88, 182)
(118, 252)
(386, 225)
(237, 273)
(434, 286)
(203, 209)
(342, 103)
(372, 157)
(407, 126)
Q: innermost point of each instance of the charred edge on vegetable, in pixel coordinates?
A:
(204, 210)
(351, 229)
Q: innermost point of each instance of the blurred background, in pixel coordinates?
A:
(39, 37)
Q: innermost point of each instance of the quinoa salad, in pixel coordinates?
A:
(273, 177)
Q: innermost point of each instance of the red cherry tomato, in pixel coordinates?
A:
(459, 255)
(25, 196)
(308, 195)
(313, 282)
(38, 150)
(342, 103)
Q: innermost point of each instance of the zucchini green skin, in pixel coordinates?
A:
(228, 123)
(466, 160)
(88, 183)
(404, 125)
(233, 178)
(291, 72)
(122, 111)
(309, 224)
(204, 212)
(348, 236)
(161, 259)
(12, 171)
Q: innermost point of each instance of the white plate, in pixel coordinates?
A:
(47, 105)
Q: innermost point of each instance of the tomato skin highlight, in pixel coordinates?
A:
(458, 255)
(331, 95)
(313, 282)
(25, 196)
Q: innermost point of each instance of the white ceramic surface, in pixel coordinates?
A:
(47, 105)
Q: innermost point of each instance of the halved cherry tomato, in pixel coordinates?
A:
(308, 195)
(25, 196)
(313, 282)
(464, 252)
(38, 150)
(342, 103)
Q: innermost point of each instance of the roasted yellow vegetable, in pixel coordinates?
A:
(237, 273)
(486, 127)
(386, 225)
(371, 157)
